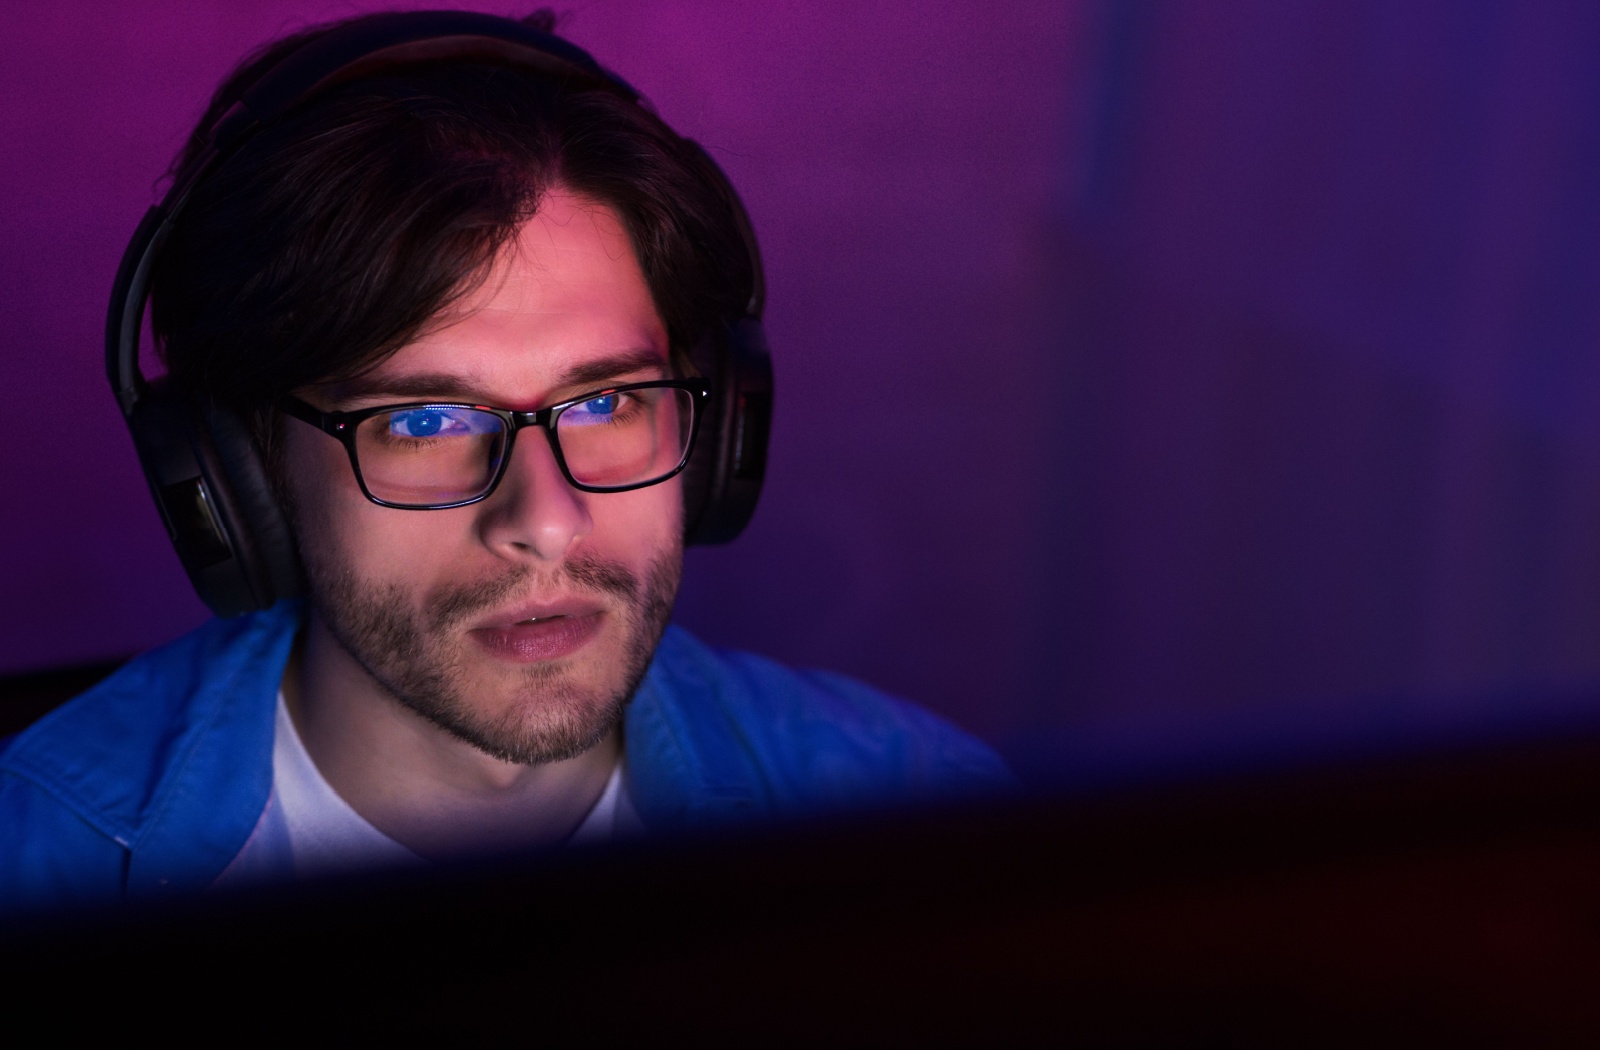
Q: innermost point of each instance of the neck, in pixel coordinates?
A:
(418, 783)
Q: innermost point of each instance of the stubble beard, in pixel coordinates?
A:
(416, 657)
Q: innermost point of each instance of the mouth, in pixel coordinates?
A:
(534, 636)
(567, 607)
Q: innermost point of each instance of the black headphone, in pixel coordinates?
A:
(203, 466)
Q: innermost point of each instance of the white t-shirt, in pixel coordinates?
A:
(307, 829)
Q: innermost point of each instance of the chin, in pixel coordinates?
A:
(549, 719)
(523, 693)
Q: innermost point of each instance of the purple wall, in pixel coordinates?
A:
(1143, 367)
(1329, 451)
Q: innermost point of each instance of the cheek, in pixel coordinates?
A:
(312, 463)
(341, 532)
(334, 523)
(645, 522)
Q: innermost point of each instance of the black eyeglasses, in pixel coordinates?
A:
(431, 455)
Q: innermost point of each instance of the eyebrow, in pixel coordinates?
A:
(452, 386)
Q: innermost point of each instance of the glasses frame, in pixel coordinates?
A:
(342, 426)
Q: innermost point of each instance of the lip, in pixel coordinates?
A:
(559, 627)
(550, 609)
(547, 638)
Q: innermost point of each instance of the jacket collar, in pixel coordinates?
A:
(687, 762)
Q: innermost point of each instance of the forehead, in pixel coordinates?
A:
(563, 299)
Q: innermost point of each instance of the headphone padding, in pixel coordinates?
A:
(727, 469)
(263, 540)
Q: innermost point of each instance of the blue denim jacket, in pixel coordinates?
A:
(149, 784)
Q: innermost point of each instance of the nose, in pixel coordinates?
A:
(534, 513)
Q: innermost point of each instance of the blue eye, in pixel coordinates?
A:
(599, 406)
(421, 422)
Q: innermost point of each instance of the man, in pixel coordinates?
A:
(466, 309)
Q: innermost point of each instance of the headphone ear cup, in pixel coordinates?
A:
(236, 562)
(263, 540)
(724, 476)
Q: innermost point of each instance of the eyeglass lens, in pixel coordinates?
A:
(436, 455)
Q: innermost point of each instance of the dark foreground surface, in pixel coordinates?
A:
(1447, 897)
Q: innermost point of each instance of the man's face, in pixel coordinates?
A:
(522, 623)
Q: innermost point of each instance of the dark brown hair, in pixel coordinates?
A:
(333, 237)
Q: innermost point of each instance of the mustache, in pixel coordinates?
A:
(591, 574)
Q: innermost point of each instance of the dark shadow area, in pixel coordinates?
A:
(25, 698)
(1448, 895)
